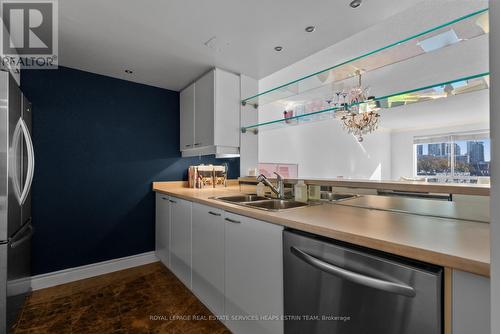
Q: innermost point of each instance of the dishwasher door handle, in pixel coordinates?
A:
(396, 288)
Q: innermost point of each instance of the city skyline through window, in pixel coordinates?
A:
(453, 158)
(463, 148)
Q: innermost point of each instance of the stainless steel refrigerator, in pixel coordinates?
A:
(17, 165)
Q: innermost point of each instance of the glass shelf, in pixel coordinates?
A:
(464, 28)
(428, 93)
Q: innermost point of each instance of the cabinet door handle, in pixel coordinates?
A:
(171, 201)
(197, 144)
(164, 198)
(233, 221)
(214, 213)
(187, 145)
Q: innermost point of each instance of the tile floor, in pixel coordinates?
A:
(120, 302)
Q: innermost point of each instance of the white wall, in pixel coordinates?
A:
(323, 149)
(495, 144)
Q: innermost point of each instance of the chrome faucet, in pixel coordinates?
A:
(279, 190)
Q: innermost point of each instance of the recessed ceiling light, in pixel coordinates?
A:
(355, 3)
(278, 48)
(310, 28)
(129, 71)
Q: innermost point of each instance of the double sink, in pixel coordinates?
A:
(263, 203)
(272, 204)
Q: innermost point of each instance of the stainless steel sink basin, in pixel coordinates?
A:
(242, 198)
(262, 203)
(276, 205)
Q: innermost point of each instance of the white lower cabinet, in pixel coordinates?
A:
(471, 303)
(253, 275)
(208, 256)
(180, 239)
(233, 264)
(162, 229)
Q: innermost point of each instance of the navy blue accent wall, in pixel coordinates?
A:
(99, 143)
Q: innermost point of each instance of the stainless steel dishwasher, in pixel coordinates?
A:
(332, 287)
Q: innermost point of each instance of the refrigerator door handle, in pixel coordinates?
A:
(31, 161)
(16, 240)
(16, 179)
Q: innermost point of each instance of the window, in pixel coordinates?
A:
(457, 158)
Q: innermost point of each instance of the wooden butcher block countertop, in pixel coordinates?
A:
(458, 244)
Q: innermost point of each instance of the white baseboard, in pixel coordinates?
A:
(74, 274)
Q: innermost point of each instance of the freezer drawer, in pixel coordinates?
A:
(15, 282)
(332, 287)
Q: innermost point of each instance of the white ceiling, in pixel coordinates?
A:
(162, 41)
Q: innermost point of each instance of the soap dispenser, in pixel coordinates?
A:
(300, 191)
(314, 192)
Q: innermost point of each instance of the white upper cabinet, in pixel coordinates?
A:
(204, 110)
(227, 109)
(187, 118)
(210, 115)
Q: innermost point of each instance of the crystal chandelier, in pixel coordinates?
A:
(360, 124)
(357, 111)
